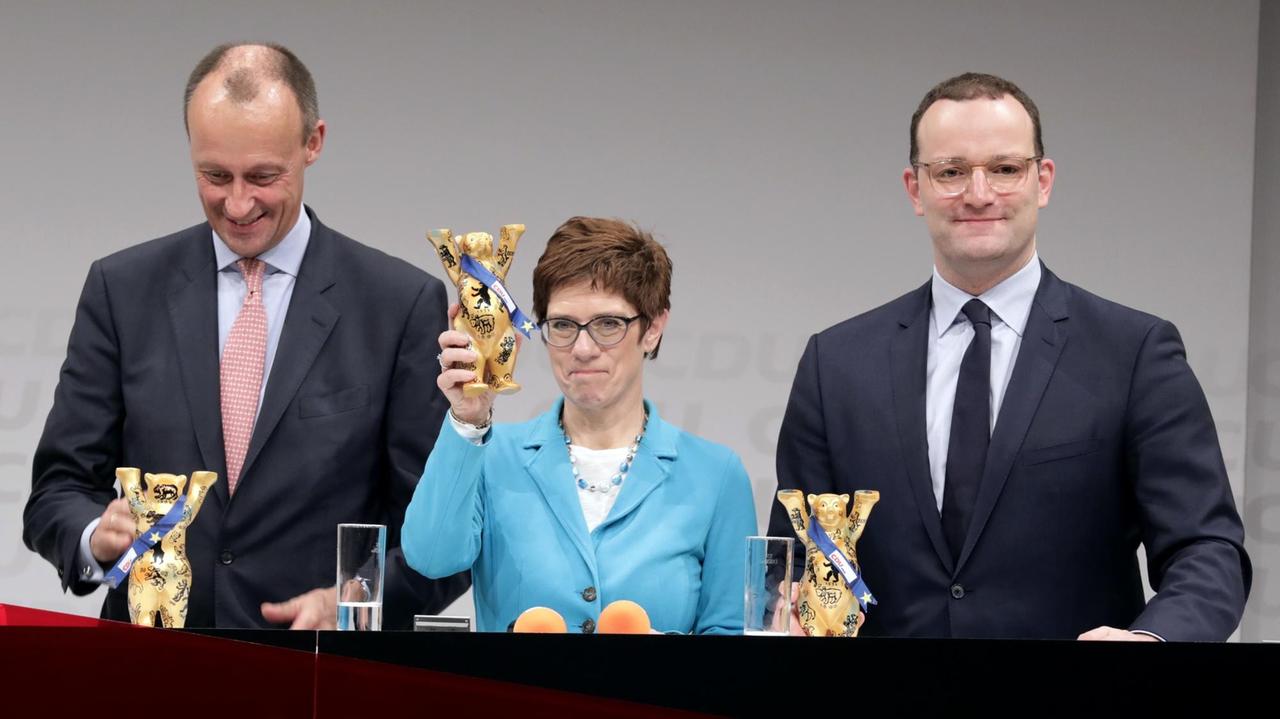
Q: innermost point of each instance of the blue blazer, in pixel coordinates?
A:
(509, 511)
(1104, 441)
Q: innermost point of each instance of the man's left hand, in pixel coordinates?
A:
(1111, 634)
(317, 609)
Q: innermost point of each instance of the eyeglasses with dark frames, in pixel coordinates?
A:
(606, 330)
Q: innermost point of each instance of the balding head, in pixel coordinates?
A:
(243, 69)
(245, 107)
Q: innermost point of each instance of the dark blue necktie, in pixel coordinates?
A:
(970, 430)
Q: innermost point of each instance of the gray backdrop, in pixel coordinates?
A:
(762, 142)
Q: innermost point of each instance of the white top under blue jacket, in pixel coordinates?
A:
(508, 510)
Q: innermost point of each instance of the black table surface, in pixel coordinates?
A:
(750, 676)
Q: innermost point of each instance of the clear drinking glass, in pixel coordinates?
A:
(767, 600)
(362, 553)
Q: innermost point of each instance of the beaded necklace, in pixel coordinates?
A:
(616, 480)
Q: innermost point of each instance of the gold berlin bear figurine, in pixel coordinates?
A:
(828, 606)
(160, 579)
(488, 312)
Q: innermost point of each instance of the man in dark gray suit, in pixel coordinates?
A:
(1025, 436)
(295, 362)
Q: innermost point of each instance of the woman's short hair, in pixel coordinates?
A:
(614, 256)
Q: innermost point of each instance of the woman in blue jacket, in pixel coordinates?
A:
(598, 499)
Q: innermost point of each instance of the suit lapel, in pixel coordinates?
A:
(193, 313)
(548, 464)
(651, 467)
(1042, 343)
(307, 324)
(908, 354)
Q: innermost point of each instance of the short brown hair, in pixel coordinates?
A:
(971, 86)
(612, 255)
(242, 84)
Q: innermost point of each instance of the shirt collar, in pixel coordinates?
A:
(284, 257)
(1010, 300)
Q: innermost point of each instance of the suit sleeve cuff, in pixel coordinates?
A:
(473, 434)
(1157, 637)
(87, 568)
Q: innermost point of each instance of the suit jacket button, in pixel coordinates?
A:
(589, 594)
(588, 627)
(226, 557)
(957, 591)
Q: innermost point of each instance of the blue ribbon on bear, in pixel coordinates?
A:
(148, 540)
(472, 267)
(842, 564)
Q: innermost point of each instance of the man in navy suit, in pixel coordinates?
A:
(336, 415)
(1025, 436)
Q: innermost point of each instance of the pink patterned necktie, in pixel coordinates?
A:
(243, 359)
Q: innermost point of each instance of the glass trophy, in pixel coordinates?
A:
(362, 552)
(767, 592)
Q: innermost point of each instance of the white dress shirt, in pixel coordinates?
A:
(950, 333)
